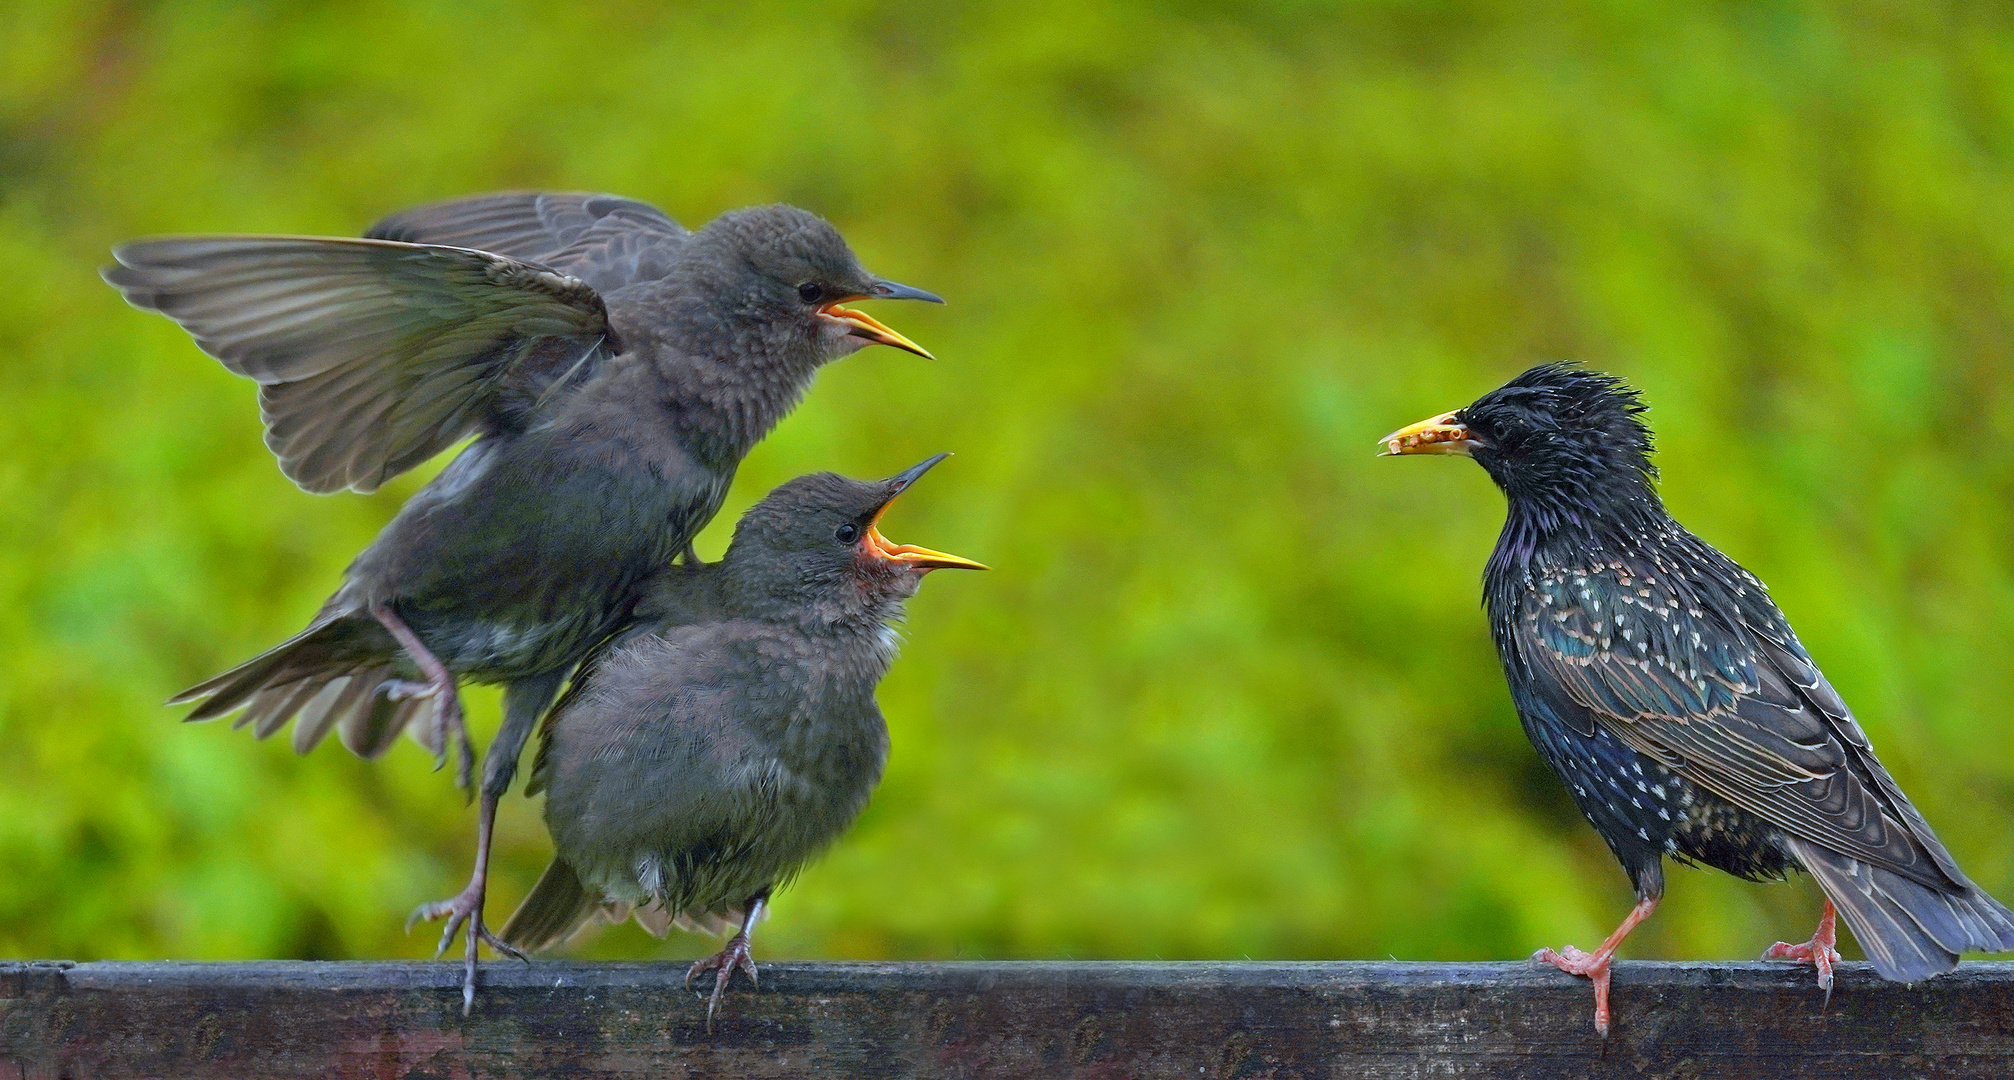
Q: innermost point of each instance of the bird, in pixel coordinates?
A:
(695, 767)
(610, 369)
(1666, 690)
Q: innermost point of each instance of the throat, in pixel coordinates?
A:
(1556, 524)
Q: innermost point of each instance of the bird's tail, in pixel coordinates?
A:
(558, 906)
(1909, 930)
(335, 675)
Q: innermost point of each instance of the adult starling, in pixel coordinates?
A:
(691, 771)
(1665, 689)
(613, 370)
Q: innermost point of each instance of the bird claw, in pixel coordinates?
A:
(1820, 955)
(452, 734)
(1820, 952)
(734, 957)
(465, 909)
(1593, 967)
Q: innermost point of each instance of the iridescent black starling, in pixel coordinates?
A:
(1665, 689)
(612, 370)
(695, 767)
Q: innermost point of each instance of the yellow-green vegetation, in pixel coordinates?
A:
(1228, 691)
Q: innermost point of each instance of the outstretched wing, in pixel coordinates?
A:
(605, 240)
(372, 355)
(1718, 690)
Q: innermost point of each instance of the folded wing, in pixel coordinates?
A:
(1734, 707)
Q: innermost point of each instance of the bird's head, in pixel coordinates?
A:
(1559, 433)
(790, 274)
(814, 545)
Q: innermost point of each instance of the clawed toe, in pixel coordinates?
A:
(464, 911)
(1818, 954)
(735, 957)
(1593, 967)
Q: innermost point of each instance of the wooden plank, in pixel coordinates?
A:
(1103, 1020)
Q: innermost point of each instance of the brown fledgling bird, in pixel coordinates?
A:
(692, 770)
(613, 370)
(1661, 684)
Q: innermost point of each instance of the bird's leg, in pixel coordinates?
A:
(447, 699)
(524, 700)
(1594, 966)
(1820, 952)
(735, 956)
(466, 908)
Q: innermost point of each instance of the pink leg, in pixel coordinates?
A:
(1820, 952)
(1594, 966)
(734, 957)
(467, 907)
(447, 699)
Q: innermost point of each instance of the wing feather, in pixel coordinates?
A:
(605, 240)
(1725, 697)
(372, 355)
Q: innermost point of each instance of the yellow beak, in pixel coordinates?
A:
(919, 557)
(1443, 434)
(864, 325)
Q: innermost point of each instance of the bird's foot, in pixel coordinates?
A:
(724, 964)
(1593, 967)
(1820, 952)
(464, 910)
(449, 728)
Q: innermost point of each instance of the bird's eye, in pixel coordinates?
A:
(847, 533)
(811, 291)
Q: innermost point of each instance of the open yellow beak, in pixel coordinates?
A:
(863, 325)
(921, 558)
(1443, 434)
(909, 554)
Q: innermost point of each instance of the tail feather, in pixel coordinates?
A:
(315, 718)
(373, 723)
(556, 908)
(1909, 930)
(298, 656)
(357, 693)
(269, 709)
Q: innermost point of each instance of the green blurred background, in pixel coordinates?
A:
(1228, 692)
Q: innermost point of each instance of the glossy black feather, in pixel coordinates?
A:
(1663, 685)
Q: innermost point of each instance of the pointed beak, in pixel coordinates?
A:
(900, 482)
(862, 325)
(889, 290)
(1443, 434)
(921, 558)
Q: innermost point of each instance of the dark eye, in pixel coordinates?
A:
(811, 291)
(847, 533)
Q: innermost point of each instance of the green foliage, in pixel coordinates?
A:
(1228, 692)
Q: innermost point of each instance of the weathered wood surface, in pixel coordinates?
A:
(1106, 1020)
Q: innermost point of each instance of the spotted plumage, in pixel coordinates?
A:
(1661, 683)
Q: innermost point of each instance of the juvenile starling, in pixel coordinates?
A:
(691, 771)
(613, 370)
(1665, 689)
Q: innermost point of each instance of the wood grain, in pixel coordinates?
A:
(1104, 1020)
